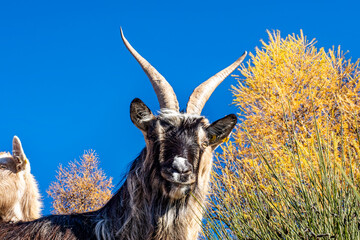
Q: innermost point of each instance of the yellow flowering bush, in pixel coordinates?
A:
(81, 186)
(289, 83)
(299, 111)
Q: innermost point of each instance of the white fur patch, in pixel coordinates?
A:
(201, 135)
(180, 164)
(18, 214)
(176, 117)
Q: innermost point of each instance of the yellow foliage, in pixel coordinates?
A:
(288, 84)
(80, 187)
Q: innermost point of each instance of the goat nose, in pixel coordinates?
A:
(182, 165)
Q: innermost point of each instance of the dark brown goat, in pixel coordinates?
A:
(166, 187)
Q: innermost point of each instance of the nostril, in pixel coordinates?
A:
(187, 172)
(181, 165)
(188, 169)
(181, 170)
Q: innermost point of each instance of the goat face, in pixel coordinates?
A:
(175, 143)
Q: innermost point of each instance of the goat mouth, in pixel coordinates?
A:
(177, 178)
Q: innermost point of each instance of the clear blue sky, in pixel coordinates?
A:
(67, 80)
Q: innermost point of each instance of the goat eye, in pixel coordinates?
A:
(2, 166)
(205, 144)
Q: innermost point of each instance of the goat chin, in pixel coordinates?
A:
(179, 191)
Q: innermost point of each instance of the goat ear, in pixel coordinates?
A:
(140, 114)
(18, 154)
(219, 130)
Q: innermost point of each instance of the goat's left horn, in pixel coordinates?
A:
(203, 92)
(164, 92)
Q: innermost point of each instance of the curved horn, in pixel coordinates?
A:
(163, 90)
(202, 93)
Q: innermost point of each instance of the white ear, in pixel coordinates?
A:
(17, 148)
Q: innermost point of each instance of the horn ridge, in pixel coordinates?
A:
(164, 92)
(203, 92)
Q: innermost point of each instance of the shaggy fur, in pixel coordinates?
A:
(147, 206)
(19, 193)
(165, 189)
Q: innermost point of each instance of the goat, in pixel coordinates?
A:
(165, 189)
(19, 193)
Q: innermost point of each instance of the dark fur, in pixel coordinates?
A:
(142, 208)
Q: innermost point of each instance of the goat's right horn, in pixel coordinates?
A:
(202, 93)
(164, 92)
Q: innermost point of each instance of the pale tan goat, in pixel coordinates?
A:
(19, 193)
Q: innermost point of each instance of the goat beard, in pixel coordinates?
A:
(175, 191)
